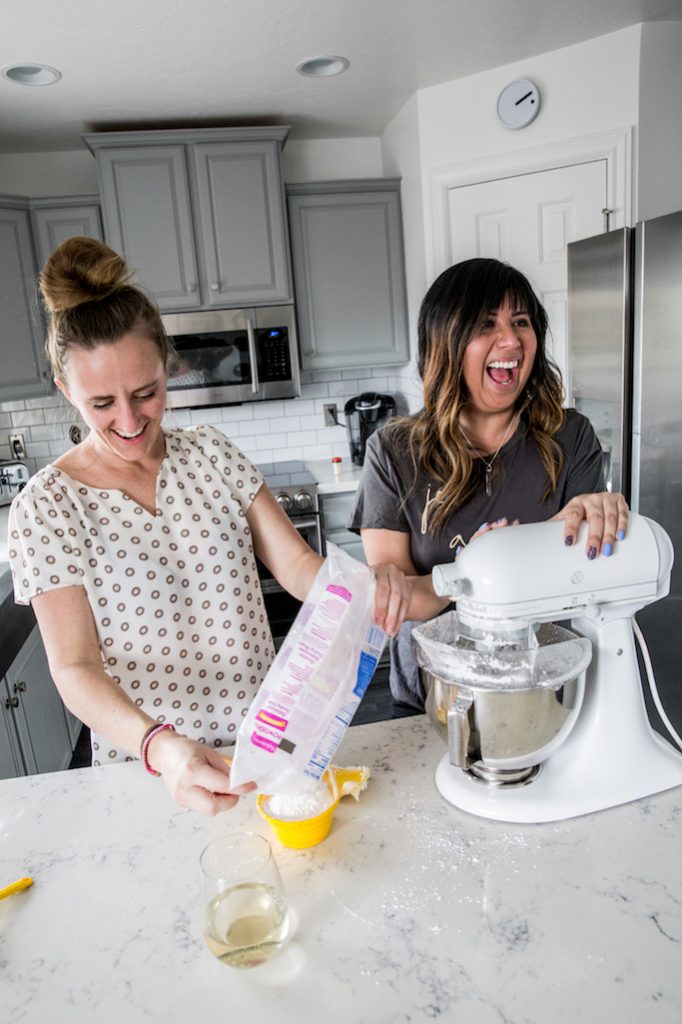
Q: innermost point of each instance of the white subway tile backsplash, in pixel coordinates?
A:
(301, 407)
(326, 375)
(347, 388)
(28, 417)
(42, 449)
(314, 390)
(47, 432)
(372, 384)
(277, 431)
(288, 454)
(46, 402)
(267, 410)
(284, 425)
(237, 412)
(302, 437)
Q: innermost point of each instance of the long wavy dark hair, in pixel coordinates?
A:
(453, 312)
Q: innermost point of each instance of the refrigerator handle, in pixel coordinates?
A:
(606, 213)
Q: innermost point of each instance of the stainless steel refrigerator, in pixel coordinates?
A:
(625, 375)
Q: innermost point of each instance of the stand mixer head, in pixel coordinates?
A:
(543, 724)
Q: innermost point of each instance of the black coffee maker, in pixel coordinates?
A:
(364, 414)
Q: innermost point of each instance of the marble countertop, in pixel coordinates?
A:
(334, 481)
(411, 911)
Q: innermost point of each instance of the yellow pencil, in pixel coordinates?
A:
(9, 890)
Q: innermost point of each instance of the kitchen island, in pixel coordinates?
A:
(411, 911)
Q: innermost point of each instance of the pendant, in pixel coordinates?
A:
(488, 475)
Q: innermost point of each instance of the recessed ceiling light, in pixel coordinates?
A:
(322, 67)
(31, 74)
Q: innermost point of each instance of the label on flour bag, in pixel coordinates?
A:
(319, 676)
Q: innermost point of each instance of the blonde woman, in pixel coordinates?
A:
(137, 548)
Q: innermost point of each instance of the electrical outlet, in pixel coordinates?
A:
(330, 414)
(17, 446)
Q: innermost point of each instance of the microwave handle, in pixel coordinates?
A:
(253, 358)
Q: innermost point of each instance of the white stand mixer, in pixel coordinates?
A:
(525, 574)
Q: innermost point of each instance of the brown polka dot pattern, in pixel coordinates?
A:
(167, 591)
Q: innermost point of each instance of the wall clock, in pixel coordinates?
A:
(518, 103)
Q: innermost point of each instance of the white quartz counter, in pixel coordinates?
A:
(409, 912)
(334, 481)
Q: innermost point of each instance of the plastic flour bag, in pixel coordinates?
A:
(316, 682)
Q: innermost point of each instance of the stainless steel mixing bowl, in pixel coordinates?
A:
(502, 727)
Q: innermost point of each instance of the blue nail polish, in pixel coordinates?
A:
(458, 549)
(621, 535)
(607, 550)
(568, 541)
(484, 526)
(592, 553)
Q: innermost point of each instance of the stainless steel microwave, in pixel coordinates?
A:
(232, 355)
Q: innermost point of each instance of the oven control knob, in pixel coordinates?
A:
(284, 500)
(304, 501)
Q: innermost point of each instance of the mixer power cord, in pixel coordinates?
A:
(652, 682)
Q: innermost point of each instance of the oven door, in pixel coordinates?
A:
(280, 606)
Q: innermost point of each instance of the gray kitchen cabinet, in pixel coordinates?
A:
(242, 223)
(24, 368)
(56, 218)
(335, 510)
(199, 215)
(147, 218)
(34, 734)
(349, 273)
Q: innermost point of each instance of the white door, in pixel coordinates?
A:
(528, 220)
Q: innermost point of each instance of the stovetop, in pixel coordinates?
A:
(293, 485)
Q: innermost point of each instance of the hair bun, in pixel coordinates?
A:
(81, 270)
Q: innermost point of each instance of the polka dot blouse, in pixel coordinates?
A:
(175, 595)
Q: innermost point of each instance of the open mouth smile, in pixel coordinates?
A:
(503, 372)
(130, 438)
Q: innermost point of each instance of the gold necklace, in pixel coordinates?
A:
(488, 465)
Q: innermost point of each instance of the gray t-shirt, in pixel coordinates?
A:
(389, 499)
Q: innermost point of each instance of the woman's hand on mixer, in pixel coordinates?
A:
(392, 597)
(496, 525)
(196, 776)
(606, 515)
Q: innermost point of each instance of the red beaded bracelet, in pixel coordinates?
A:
(146, 740)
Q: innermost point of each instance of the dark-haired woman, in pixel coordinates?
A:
(137, 547)
(491, 446)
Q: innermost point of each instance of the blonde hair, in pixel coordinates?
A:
(86, 291)
(452, 313)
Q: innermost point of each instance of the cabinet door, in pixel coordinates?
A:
(350, 282)
(147, 218)
(53, 225)
(39, 716)
(244, 239)
(11, 764)
(24, 370)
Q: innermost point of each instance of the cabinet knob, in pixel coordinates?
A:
(215, 286)
(12, 702)
(20, 687)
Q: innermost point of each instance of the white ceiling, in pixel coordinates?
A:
(191, 63)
